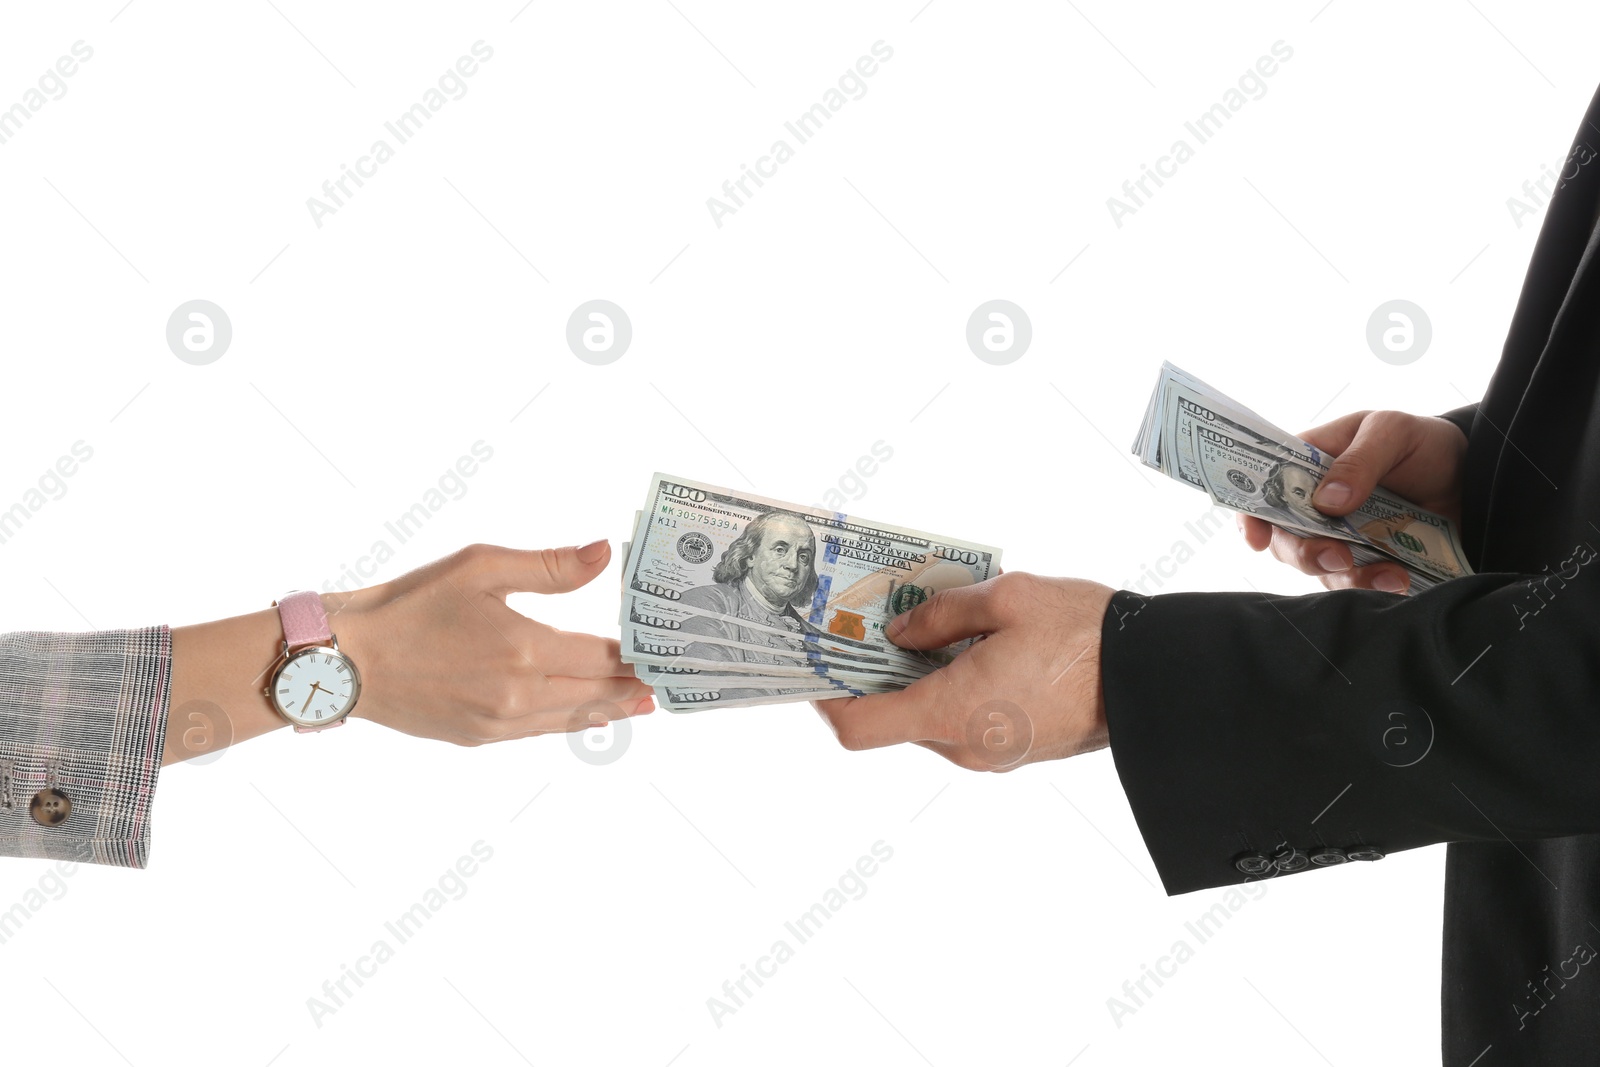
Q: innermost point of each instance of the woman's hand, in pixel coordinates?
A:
(442, 656)
(1419, 457)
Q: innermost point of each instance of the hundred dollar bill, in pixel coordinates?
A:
(769, 683)
(660, 660)
(645, 673)
(703, 699)
(1244, 463)
(672, 649)
(641, 611)
(732, 599)
(705, 672)
(817, 576)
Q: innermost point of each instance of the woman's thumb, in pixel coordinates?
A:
(545, 570)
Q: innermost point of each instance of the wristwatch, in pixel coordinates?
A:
(314, 686)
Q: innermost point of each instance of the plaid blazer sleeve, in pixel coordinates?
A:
(85, 713)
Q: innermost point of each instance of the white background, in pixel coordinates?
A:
(827, 314)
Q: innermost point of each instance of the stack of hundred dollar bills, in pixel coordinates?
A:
(1196, 435)
(731, 599)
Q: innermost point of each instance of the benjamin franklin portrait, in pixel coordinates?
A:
(1288, 488)
(764, 576)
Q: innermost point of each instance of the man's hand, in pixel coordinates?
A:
(1418, 457)
(1029, 690)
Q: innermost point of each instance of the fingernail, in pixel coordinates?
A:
(1390, 582)
(1332, 559)
(592, 551)
(644, 707)
(1331, 495)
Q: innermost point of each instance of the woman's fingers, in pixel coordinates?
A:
(559, 696)
(557, 705)
(552, 651)
(580, 655)
(584, 703)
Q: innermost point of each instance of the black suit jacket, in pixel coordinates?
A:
(1354, 723)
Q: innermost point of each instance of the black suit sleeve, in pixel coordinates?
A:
(1242, 721)
(1462, 417)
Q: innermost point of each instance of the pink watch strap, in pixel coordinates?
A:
(305, 622)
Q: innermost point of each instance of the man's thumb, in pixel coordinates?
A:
(1377, 446)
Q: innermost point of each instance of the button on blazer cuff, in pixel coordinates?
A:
(84, 714)
(1355, 719)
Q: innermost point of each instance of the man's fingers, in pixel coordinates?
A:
(1379, 443)
(1386, 577)
(1311, 555)
(881, 719)
(951, 615)
(1257, 532)
(534, 570)
(1330, 560)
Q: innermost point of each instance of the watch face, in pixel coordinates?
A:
(317, 686)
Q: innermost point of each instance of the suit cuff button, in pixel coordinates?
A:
(1290, 859)
(1252, 863)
